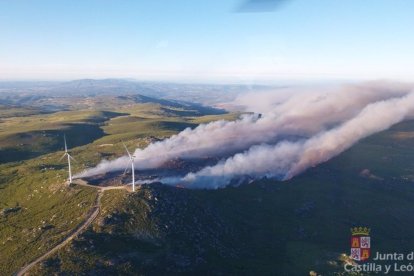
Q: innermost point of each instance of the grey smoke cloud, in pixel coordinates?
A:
(298, 128)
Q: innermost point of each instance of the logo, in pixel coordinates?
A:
(360, 243)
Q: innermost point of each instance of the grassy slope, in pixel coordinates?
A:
(30, 136)
(47, 210)
(36, 186)
(7, 111)
(27, 132)
(268, 227)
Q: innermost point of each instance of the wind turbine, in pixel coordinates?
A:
(69, 157)
(131, 159)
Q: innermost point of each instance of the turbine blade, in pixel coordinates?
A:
(63, 156)
(129, 154)
(126, 169)
(70, 156)
(64, 138)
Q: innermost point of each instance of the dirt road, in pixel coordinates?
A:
(92, 214)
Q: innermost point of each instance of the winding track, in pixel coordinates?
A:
(93, 213)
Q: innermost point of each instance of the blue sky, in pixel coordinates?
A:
(197, 40)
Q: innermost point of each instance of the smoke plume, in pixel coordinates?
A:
(289, 131)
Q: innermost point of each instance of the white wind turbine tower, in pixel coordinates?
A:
(69, 157)
(131, 159)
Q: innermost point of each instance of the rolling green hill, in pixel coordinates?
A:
(30, 136)
(27, 132)
(37, 209)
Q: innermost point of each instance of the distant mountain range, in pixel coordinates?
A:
(207, 94)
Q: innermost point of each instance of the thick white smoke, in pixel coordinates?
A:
(287, 159)
(297, 129)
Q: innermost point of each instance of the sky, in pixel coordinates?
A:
(206, 41)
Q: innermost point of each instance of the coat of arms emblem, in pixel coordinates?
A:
(360, 243)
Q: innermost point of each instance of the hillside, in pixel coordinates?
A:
(36, 129)
(37, 209)
(265, 227)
